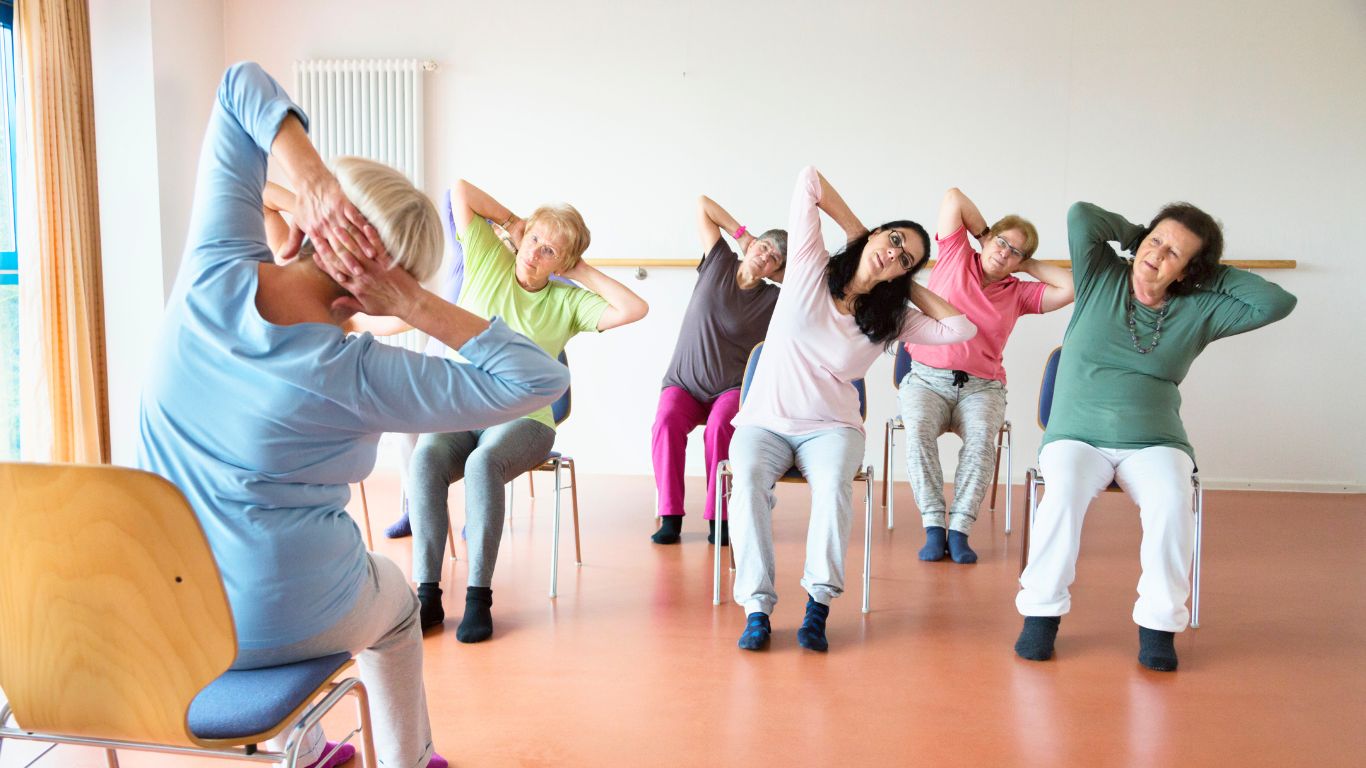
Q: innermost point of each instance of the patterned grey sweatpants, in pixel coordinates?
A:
(930, 406)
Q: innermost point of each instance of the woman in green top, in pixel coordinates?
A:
(516, 287)
(1136, 329)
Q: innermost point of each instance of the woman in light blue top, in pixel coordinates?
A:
(262, 410)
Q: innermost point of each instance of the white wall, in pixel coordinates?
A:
(1251, 110)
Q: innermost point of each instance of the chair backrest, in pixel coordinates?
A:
(560, 409)
(1050, 377)
(753, 363)
(902, 366)
(112, 612)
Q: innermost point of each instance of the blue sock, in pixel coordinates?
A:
(1037, 636)
(757, 632)
(811, 635)
(400, 528)
(959, 549)
(935, 546)
(1157, 649)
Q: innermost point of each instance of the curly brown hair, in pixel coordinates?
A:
(1204, 226)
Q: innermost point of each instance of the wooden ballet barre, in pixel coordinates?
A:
(692, 263)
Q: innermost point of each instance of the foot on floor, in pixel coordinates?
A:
(936, 545)
(438, 761)
(725, 532)
(1037, 638)
(400, 528)
(959, 549)
(670, 530)
(1157, 649)
(431, 613)
(811, 634)
(343, 754)
(757, 632)
(477, 626)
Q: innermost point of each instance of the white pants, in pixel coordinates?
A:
(1158, 479)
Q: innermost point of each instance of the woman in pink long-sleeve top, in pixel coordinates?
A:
(835, 315)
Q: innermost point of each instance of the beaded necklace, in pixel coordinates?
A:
(1133, 324)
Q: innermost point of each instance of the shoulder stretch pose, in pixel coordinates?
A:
(727, 315)
(835, 315)
(962, 387)
(516, 287)
(262, 410)
(1116, 416)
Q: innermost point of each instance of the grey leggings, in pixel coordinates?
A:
(486, 459)
(930, 406)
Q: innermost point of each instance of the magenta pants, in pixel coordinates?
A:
(679, 413)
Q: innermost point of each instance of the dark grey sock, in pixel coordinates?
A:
(725, 532)
(670, 528)
(1036, 639)
(431, 614)
(1157, 649)
(477, 625)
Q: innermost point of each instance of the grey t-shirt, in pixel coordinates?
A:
(722, 324)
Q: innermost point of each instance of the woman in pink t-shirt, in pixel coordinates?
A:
(835, 315)
(962, 387)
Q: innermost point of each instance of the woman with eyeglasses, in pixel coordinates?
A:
(727, 315)
(518, 288)
(835, 315)
(962, 387)
(1137, 327)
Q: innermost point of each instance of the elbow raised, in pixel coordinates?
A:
(966, 330)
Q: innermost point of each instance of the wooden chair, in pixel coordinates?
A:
(1034, 482)
(115, 631)
(724, 477)
(1003, 439)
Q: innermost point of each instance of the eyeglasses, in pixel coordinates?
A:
(541, 251)
(1005, 245)
(904, 258)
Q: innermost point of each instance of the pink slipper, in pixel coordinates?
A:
(342, 755)
(438, 762)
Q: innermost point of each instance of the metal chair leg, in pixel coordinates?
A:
(1199, 493)
(891, 487)
(574, 497)
(1032, 478)
(995, 473)
(1010, 439)
(722, 490)
(867, 538)
(555, 538)
(886, 460)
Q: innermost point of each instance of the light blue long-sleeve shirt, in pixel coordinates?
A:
(263, 426)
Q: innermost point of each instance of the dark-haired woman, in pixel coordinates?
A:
(1136, 329)
(834, 316)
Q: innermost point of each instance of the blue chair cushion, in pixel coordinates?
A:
(902, 366)
(1050, 378)
(246, 702)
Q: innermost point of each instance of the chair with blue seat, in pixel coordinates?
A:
(115, 630)
(902, 367)
(1034, 481)
(724, 478)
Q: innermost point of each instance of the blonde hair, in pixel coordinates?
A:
(565, 220)
(407, 221)
(1031, 235)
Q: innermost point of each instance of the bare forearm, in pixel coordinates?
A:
(618, 296)
(968, 215)
(720, 216)
(444, 321)
(1048, 274)
(838, 210)
(930, 303)
(297, 157)
(479, 203)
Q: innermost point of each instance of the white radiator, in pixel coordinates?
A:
(368, 108)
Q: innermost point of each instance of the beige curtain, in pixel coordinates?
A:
(67, 415)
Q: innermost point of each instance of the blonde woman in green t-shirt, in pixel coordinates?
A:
(507, 275)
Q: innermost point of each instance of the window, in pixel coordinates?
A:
(9, 251)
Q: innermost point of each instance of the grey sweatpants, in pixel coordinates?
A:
(828, 460)
(930, 406)
(487, 459)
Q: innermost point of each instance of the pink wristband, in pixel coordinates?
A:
(739, 233)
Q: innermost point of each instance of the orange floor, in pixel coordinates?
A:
(632, 665)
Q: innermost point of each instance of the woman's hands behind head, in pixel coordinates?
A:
(335, 226)
(378, 289)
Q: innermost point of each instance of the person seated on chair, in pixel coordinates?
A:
(1116, 417)
(262, 410)
(517, 287)
(835, 315)
(962, 387)
(727, 315)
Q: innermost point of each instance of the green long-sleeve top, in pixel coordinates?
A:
(1107, 393)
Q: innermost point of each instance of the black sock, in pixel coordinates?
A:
(431, 613)
(1157, 649)
(670, 526)
(959, 549)
(811, 634)
(936, 546)
(477, 625)
(757, 632)
(1037, 637)
(725, 532)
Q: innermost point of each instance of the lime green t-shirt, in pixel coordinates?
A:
(549, 317)
(1110, 395)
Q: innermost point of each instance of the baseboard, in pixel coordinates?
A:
(1295, 486)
